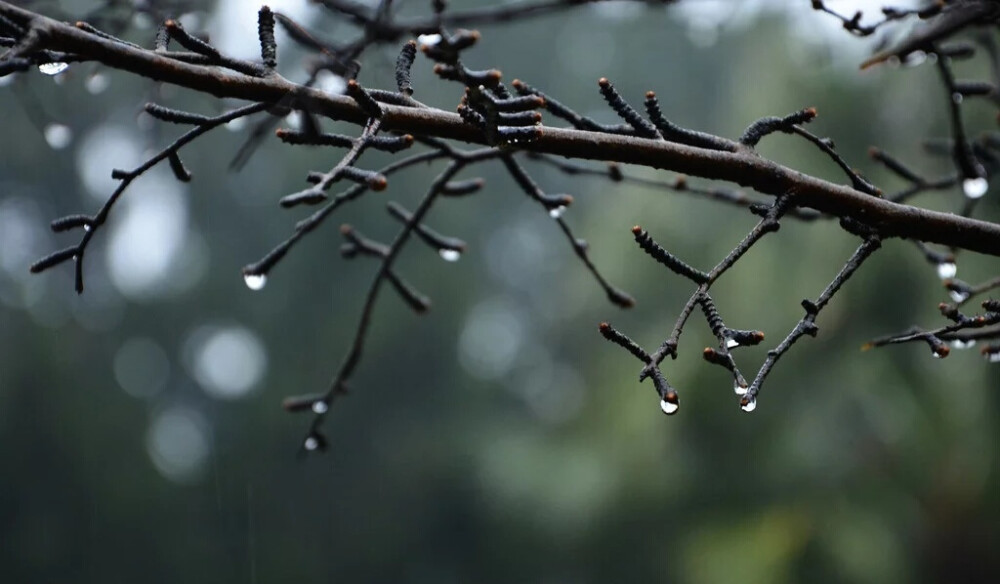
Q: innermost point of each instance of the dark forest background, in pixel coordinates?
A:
(499, 438)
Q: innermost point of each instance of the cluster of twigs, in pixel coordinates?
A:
(506, 121)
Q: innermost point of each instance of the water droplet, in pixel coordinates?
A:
(731, 342)
(53, 68)
(58, 136)
(739, 389)
(668, 407)
(320, 407)
(749, 406)
(958, 296)
(935, 354)
(97, 83)
(975, 188)
(429, 39)
(236, 125)
(255, 281)
(557, 212)
(947, 270)
(960, 344)
(87, 227)
(7, 79)
(957, 97)
(311, 443)
(993, 357)
(450, 255)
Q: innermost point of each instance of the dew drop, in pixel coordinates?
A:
(236, 125)
(320, 407)
(450, 255)
(97, 83)
(961, 344)
(749, 406)
(958, 296)
(429, 39)
(557, 212)
(975, 188)
(947, 270)
(668, 407)
(311, 443)
(731, 342)
(58, 136)
(53, 68)
(255, 281)
(739, 389)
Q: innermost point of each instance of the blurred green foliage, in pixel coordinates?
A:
(553, 465)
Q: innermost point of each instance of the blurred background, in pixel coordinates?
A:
(498, 438)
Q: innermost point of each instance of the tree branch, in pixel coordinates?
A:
(743, 167)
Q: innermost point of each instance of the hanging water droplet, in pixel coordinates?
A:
(731, 342)
(320, 407)
(993, 357)
(935, 354)
(958, 296)
(87, 227)
(557, 212)
(450, 255)
(311, 443)
(58, 136)
(668, 407)
(975, 188)
(429, 39)
(53, 68)
(957, 98)
(740, 389)
(947, 270)
(236, 125)
(962, 344)
(97, 83)
(255, 281)
(749, 406)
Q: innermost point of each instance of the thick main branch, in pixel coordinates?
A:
(743, 167)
